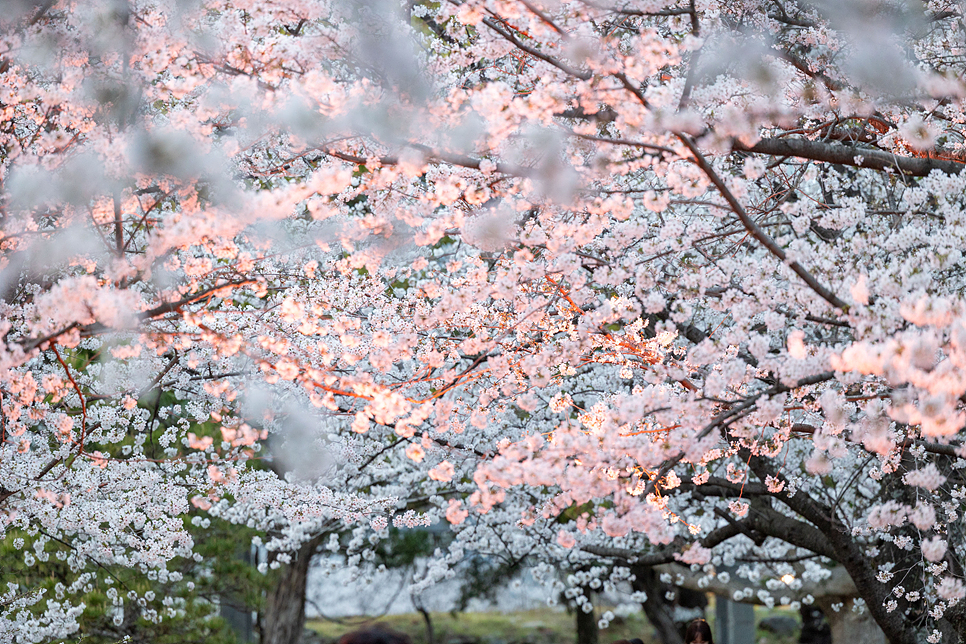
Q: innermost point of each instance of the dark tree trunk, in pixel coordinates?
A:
(586, 626)
(825, 533)
(693, 599)
(284, 618)
(847, 626)
(430, 634)
(815, 628)
(658, 611)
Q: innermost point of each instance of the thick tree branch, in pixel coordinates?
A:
(434, 155)
(849, 155)
(932, 448)
(772, 523)
(624, 11)
(843, 549)
(802, 66)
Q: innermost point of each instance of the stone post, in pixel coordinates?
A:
(734, 622)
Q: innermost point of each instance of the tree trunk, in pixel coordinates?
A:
(849, 627)
(430, 634)
(823, 532)
(586, 626)
(815, 627)
(284, 618)
(655, 608)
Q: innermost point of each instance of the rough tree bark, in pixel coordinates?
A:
(284, 617)
(824, 533)
(586, 624)
(646, 579)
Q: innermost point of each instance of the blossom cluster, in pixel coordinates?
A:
(545, 271)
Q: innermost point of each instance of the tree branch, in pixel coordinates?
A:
(872, 158)
(842, 548)
(666, 554)
(932, 448)
(756, 230)
(728, 416)
(536, 53)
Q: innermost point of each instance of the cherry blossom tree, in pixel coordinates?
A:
(633, 281)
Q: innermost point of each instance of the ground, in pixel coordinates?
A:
(538, 626)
